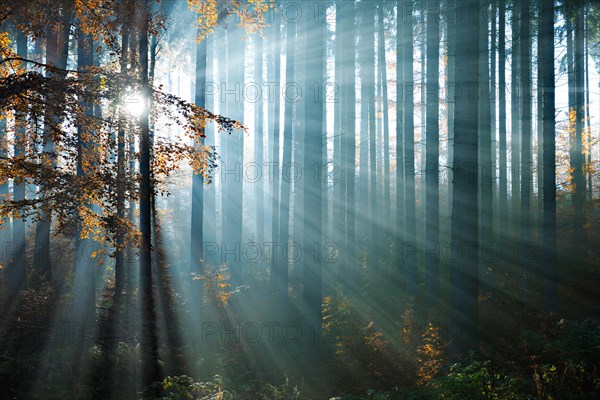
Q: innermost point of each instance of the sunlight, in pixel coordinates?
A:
(134, 103)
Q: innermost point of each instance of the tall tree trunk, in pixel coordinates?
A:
(526, 164)
(409, 242)
(150, 369)
(120, 242)
(464, 308)
(339, 181)
(197, 260)
(210, 203)
(373, 248)
(588, 118)
(546, 63)
(314, 117)
(503, 178)
(578, 161)
(420, 192)
(258, 141)
(348, 99)
(276, 49)
(385, 206)
(432, 193)
(84, 286)
(451, 105)
(401, 16)
(5, 228)
(57, 46)
(18, 272)
(515, 151)
(492, 100)
(365, 86)
(485, 146)
(284, 217)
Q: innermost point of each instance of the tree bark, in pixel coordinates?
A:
(464, 308)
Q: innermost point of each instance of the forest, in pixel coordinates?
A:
(300, 199)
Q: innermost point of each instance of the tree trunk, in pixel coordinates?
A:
(515, 155)
(284, 217)
(526, 164)
(276, 49)
(464, 307)
(313, 156)
(258, 141)
(503, 179)
(348, 99)
(385, 205)
(485, 147)
(197, 260)
(546, 63)
(432, 193)
(578, 159)
(57, 46)
(409, 245)
(150, 370)
(365, 86)
(18, 271)
(401, 16)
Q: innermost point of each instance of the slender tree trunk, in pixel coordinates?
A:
(5, 229)
(210, 203)
(503, 179)
(365, 86)
(276, 49)
(492, 100)
(451, 105)
(526, 164)
(432, 193)
(339, 177)
(120, 242)
(197, 259)
(284, 217)
(258, 142)
(401, 16)
(409, 248)
(373, 248)
(588, 118)
(84, 286)
(348, 99)
(578, 161)
(485, 146)
(420, 191)
(150, 369)
(546, 62)
(314, 117)
(464, 308)
(18, 272)
(57, 46)
(385, 207)
(515, 151)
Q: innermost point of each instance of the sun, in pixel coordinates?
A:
(134, 103)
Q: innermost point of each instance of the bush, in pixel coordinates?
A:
(476, 381)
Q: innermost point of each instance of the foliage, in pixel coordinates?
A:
(430, 354)
(184, 387)
(360, 349)
(249, 14)
(566, 358)
(476, 380)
